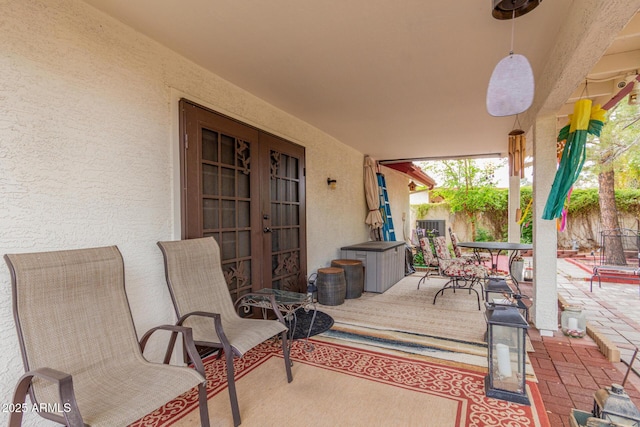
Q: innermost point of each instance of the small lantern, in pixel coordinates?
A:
(506, 338)
(312, 288)
(573, 321)
(614, 405)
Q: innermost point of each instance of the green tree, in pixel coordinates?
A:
(466, 186)
(619, 137)
(629, 176)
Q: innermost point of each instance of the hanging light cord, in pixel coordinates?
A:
(585, 90)
(516, 122)
(513, 29)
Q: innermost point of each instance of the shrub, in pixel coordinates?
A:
(483, 235)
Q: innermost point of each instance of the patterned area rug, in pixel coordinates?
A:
(343, 385)
(404, 307)
(405, 319)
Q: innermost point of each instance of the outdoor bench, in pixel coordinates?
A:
(614, 272)
(627, 243)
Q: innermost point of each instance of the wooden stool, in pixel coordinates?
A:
(353, 275)
(332, 287)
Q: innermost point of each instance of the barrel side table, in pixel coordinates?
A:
(353, 275)
(331, 286)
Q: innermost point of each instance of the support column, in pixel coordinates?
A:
(545, 289)
(514, 204)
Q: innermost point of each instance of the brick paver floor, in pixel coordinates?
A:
(571, 370)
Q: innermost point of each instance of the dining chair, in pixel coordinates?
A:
(202, 302)
(461, 273)
(477, 257)
(430, 260)
(80, 350)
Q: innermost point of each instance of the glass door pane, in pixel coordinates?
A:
(284, 205)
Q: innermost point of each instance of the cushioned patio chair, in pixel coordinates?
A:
(79, 347)
(430, 260)
(461, 273)
(202, 302)
(477, 257)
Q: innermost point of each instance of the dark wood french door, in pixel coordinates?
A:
(246, 188)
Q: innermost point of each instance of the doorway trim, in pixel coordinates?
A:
(175, 95)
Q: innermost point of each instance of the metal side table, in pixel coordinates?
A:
(287, 303)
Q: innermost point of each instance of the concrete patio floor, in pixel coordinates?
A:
(571, 370)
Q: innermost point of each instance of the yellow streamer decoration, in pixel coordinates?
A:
(526, 211)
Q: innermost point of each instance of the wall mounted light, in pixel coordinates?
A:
(332, 183)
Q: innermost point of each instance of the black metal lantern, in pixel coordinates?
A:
(506, 339)
(614, 405)
(312, 288)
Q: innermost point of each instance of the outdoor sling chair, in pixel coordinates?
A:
(461, 273)
(202, 302)
(80, 350)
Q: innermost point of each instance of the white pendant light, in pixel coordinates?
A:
(511, 87)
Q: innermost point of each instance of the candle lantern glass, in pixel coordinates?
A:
(528, 272)
(506, 339)
(573, 321)
(614, 405)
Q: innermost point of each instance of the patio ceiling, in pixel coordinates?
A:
(395, 80)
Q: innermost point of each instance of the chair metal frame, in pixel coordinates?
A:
(231, 315)
(59, 267)
(456, 249)
(431, 262)
(452, 267)
(605, 266)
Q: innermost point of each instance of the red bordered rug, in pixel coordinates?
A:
(459, 390)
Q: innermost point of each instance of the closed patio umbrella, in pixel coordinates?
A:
(374, 218)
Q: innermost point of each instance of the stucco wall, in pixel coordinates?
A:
(88, 153)
(584, 229)
(398, 190)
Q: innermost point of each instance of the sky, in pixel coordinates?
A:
(501, 174)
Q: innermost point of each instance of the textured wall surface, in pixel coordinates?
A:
(398, 189)
(545, 242)
(88, 153)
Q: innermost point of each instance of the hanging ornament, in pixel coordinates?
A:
(511, 85)
(517, 151)
(584, 120)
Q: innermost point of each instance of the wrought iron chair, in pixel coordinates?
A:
(200, 294)
(477, 257)
(430, 260)
(461, 273)
(79, 347)
(619, 256)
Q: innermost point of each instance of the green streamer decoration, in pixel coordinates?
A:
(584, 120)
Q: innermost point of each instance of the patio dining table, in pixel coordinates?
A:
(494, 249)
